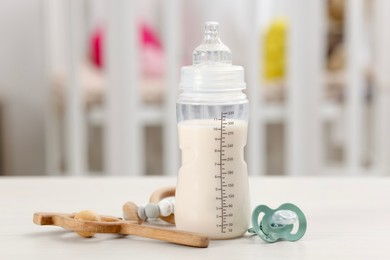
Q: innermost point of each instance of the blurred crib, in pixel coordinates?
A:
(304, 111)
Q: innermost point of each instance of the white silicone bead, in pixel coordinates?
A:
(166, 208)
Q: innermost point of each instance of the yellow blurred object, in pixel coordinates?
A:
(274, 50)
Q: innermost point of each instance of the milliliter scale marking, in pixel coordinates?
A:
(223, 185)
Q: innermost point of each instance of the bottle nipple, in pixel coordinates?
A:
(212, 50)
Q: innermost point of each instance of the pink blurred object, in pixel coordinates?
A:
(149, 37)
(96, 51)
(151, 56)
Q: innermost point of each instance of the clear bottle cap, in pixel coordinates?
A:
(212, 49)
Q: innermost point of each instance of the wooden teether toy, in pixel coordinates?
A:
(88, 223)
(161, 206)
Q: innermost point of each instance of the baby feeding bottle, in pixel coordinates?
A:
(212, 195)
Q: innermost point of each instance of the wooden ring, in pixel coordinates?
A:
(161, 194)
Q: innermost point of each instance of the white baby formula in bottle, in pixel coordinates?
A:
(212, 194)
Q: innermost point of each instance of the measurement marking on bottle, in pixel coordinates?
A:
(222, 160)
(224, 163)
(220, 171)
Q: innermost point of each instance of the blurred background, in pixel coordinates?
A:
(88, 87)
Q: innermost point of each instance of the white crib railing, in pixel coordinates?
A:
(76, 145)
(305, 88)
(355, 85)
(256, 133)
(124, 136)
(382, 42)
(304, 113)
(172, 40)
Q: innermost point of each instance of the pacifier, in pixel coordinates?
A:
(284, 223)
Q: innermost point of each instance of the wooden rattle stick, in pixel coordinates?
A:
(116, 225)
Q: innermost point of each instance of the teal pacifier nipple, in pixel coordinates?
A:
(279, 224)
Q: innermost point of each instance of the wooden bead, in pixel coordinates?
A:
(88, 215)
(130, 212)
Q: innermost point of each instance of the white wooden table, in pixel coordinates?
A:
(348, 218)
